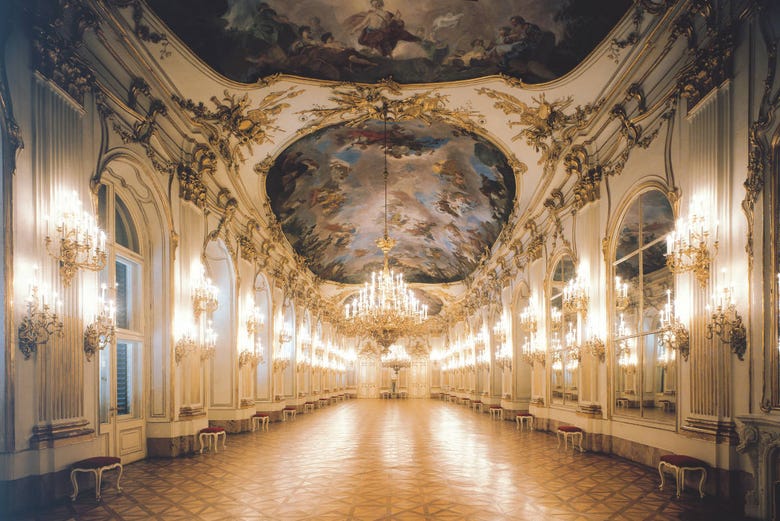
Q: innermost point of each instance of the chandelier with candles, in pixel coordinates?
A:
(386, 308)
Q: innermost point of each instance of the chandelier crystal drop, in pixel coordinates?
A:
(386, 308)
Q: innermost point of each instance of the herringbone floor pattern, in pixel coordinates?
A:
(390, 460)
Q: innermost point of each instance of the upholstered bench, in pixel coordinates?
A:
(570, 431)
(496, 412)
(308, 406)
(212, 434)
(260, 419)
(477, 404)
(680, 464)
(289, 412)
(523, 419)
(96, 465)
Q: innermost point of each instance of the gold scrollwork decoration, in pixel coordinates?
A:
(545, 126)
(357, 104)
(233, 125)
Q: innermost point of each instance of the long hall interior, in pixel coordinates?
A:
(390, 259)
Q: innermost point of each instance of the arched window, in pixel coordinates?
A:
(645, 372)
(121, 375)
(565, 359)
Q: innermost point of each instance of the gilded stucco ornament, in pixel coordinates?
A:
(143, 31)
(710, 67)
(191, 187)
(545, 125)
(55, 58)
(246, 244)
(233, 125)
(587, 190)
(357, 104)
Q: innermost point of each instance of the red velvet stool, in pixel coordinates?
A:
(260, 419)
(308, 406)
(289, 412)
(496, 412)
(680, 464)
(523, 419)
(96, 465)
(213, 434)
(570, 431)
(477, 404)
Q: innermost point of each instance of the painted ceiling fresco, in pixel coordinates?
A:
(449, 194)
(410, 40)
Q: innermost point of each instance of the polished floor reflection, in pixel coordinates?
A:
(390, 459)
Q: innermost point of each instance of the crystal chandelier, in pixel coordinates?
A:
(396, 358)
(386, 308)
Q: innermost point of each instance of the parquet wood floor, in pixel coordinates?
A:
(390, 460)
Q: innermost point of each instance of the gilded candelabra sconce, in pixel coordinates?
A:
(575, 296)
(208, 348)
(282, 357)
(530, 352)
(667, 357)
(622, 300)
(500, 330)
(102, 331)
(693, 244)
(529, 319)
(504, 357)
(482, 361)
(594, 346)
(40, 322)
(674, 334)
(726, 323)
(185, 344)
(82, 244)
(556, 319)
(204, 294)
(625, 348)
(255, 321)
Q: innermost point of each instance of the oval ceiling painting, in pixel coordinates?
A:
(411, 40)
(449, 193)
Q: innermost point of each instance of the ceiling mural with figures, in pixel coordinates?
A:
(408, 40)
(449, 194)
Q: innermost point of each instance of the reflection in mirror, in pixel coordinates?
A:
(562, 337)
(646, 372)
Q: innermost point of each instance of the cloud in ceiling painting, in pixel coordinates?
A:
(449, 194)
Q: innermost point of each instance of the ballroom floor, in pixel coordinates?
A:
(390, 459)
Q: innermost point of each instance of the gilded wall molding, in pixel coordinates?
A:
(143, 31)
(233, 126)
(357, 104)
(711, 66)
(545, 126)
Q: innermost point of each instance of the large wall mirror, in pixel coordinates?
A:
(645, 373)
(564, 378)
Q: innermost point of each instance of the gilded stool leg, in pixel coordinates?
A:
(661, 466)
(75, 484)
(119, 478)
(98, 480)
(701, 482)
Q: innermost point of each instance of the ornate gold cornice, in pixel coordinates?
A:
(711, 66)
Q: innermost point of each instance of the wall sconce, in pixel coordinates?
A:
(255, 321)
(575, 296)
(185, 344)
(500, 330)
(556, 319)
(667, 358)
(674, 335)
(529, 319)
(101, 332)
(82, 244)
(482, 361)
(480, 339)
(532, 353)
(208, 348)
(557, 361)
(726, 323)
(40, 322)
(504, 357)
(594, 345)
(284, 335)
(622, 300)
(251, 357)
(625, 352)
(688, 247)
(204, 294)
